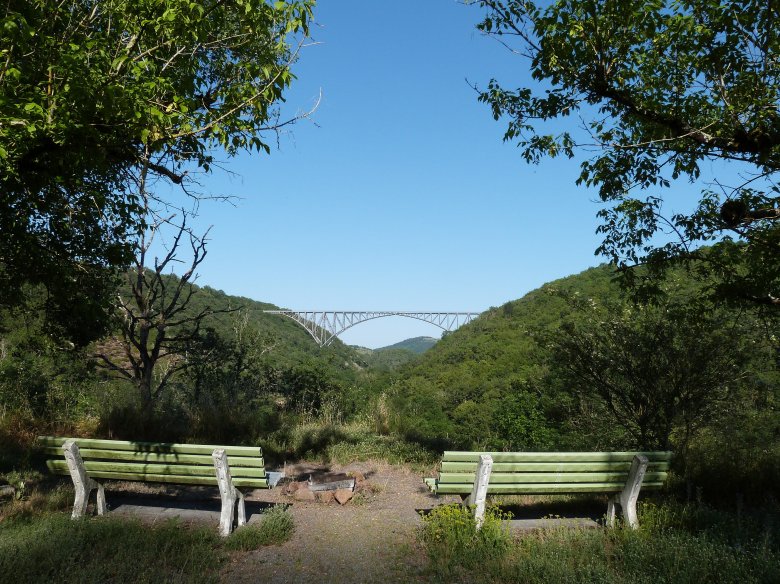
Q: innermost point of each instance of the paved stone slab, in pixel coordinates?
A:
(150, 508)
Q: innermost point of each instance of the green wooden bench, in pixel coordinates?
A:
(623, 474)
(87, 460)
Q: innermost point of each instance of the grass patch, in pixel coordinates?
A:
(450, 536)
(677, 544)
(275, 528)
(36, 502)
(336, 442)
(56, 549)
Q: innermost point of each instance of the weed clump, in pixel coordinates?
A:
(452, 541)
(276, 527)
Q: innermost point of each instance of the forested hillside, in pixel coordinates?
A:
(287, 343)
(573, 366)
(237, 372)
(393, 357)
(417, 345)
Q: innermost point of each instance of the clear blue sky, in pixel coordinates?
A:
(400, 194)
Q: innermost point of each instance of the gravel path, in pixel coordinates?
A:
(370, 539)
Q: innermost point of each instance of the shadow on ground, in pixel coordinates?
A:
(154, 505)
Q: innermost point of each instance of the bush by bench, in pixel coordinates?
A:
(188, 464)
(534, 473)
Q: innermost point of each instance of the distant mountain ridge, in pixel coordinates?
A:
(417, 345)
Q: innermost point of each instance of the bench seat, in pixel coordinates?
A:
(87, 460)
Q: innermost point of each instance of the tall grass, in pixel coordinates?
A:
(333, 440)
(55, 549)
(275, 528)
(677, 545)
(37, 545)
(40, 543)
(454, 544)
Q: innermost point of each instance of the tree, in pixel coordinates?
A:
(228, 371)
(659, 371)
(92, 91)
(661, 87)
(155, 323)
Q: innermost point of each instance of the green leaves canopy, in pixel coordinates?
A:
(662, 87)
(91, 91)
(658, 370)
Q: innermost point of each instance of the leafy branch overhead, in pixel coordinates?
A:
(92, 91)
(661, 88)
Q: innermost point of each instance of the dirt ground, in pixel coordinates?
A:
(370, 539)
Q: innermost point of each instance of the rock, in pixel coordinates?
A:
(6, 491)
(326, 497)
(331, 482)
(302, 493)
(343, 496)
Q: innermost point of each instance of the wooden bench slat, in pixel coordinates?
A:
(151, 447)
(551, 457)
(93, 454)
(166, 478)
(449, 466)
(542, 489)
(157, 469)
(520, 478)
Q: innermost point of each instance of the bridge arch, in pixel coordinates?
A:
(326, 325)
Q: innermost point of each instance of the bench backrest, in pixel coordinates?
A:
(548, 472)
(158, 462)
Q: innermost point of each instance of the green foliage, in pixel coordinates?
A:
(751, 528)
(486, 385)
(95, 93)
(418, 415)
(658, 370)
(275, 528)
(452, 541)
(574, 366)
(738, 458)
(520, 419)
(676, 543)
(389, 359)
(249, 373)
(40, 377)
(329, 440)
(362, 443)
(624, 556)
(55, 548)
(662, 88)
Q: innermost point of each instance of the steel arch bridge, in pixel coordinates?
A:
(326, 325)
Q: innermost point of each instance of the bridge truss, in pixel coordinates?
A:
(326, 325)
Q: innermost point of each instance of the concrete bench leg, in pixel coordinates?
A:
(241, 508)
(479, 491)
(231, 497)
(82, 483)
(628, 496)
